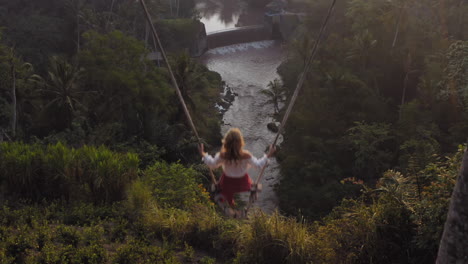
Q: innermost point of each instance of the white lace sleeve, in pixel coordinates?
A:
(259, 163)
(211, 162)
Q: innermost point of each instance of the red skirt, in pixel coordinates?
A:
(230, 186)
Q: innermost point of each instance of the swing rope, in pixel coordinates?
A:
(253, 195)
(299, 85)
(173, 79)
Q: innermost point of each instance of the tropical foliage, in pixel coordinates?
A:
(97, 158)
(398, 221)
(386, 91)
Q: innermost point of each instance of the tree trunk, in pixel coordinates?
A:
(454, 242)
(397, 30)
(405, 82)
(177, 12)
(13, 97)
(146, 34)
(170, 6)
(443, 19)
(109, 17)
(112, 6)
(460, 21)
(77, 30)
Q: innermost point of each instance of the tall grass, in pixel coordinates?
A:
(274, 239)
(89, 173)
(20, 166)
(60, 171)
(107, 173)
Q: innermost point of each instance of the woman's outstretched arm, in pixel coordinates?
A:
(212, 162)
(259, 163)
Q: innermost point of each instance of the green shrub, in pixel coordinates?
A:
(83, 214)
(179, 34)
(139, 196)
(138, 252)
(68, 235)
(173, 185)
(207, 260)
(91, 254)
(118, 231)
(93, 235)
(17, 243)
(188, 253)
(202, 226)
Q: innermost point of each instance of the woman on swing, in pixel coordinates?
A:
(235, 162)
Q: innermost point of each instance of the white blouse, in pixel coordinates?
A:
(234, 169)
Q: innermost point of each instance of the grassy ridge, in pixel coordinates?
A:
(166, 216)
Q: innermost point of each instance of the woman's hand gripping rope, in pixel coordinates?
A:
(201, 149)
(271, 151)
(257, 186)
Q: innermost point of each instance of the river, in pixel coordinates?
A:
(247, 69)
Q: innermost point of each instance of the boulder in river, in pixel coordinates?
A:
(272, 127)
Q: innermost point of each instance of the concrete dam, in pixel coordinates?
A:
(237, 35)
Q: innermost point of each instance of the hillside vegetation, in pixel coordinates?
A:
(98, 164)
(388, 90)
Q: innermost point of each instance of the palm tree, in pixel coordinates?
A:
(453, 243)
(276, 94)
(397, 29)
(303, 47)
(20, 73)
(62, 86)
(363, 44)
(13, 91)
(74, 7)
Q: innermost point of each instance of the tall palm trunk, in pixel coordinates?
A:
(146, 34)
(178, 5)
(170, 6)
(443, 19)
(454, 242)
(405, 82)
(109, 17)
(397, 30)
(13, 97)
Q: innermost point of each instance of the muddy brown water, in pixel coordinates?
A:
(247, 69)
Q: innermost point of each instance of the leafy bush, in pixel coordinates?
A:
(140, 196)
(179, 34)
(138, 252)
(173, 185)
(68, 236)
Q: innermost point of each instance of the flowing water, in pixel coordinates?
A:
(247, 69)
(227, 14)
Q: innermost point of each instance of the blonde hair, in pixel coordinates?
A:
(233, 144)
